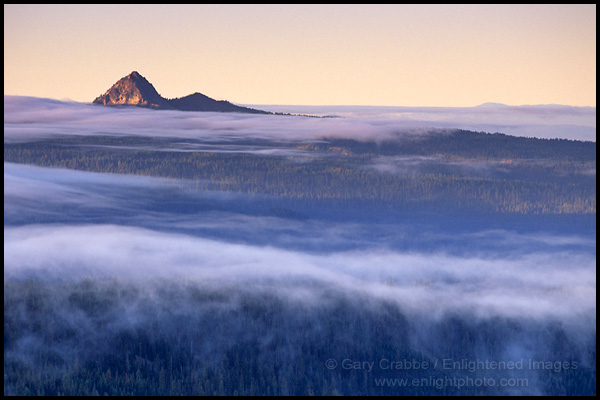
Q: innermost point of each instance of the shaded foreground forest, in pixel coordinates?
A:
(113, 337)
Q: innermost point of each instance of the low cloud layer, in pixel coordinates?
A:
(537, 285)
(27, 118)
(120, 257)
(541, 121)
(94, 225)
(52, 195)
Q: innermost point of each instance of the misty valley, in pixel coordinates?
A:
(161, 252)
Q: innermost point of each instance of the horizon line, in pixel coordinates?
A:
(488, 104)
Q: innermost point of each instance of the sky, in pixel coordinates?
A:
(383, 55)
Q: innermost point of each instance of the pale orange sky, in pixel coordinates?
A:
(396, 55)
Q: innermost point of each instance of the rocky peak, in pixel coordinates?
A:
(133, 90)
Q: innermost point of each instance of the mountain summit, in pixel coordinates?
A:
(135, 90)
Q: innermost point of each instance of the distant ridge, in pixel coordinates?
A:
(492, 105)
(135, 90)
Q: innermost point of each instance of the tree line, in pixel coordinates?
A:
(540, 186)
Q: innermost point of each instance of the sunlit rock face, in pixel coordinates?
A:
(135, 90)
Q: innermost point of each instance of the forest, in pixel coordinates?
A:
(215, 261)
(190, 339)
(455, 171)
